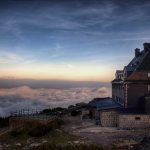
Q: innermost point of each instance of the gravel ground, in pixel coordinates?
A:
(104, 136)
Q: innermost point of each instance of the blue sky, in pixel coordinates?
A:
(70, 39)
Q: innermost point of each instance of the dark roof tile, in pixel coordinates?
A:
(105, 103)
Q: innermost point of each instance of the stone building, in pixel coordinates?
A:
(105, 111)
(131, 86)
(129, 106)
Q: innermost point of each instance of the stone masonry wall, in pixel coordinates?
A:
(133, 121)
(109, 118)
(17, 122)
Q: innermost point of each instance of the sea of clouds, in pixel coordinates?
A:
(24, 97)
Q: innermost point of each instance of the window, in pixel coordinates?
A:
(148, 74)
(137, 118)
(149, 88)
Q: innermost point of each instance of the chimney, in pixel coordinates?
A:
(137, 52)
(146, 47)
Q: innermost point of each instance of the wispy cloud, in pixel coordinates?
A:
(73, 32)
(99, 15)
(9, 58)
(57, 52)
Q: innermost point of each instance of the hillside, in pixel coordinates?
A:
(33, 135)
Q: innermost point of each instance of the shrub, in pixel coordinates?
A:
(75, 113)
(46, 111)
(39, 130)
(15, 133)
(56, 123)
(4, 122)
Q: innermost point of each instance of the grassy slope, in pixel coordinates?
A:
(49, 137)
(35, 133)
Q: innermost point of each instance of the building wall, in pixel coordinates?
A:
(147, 104)
(112, 118)
(133, 121)
(109, 118)
(94, 113)
(118, 93)
(135, 94)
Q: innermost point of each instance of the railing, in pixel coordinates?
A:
(25, 112)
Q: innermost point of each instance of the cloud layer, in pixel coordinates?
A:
(27, 98)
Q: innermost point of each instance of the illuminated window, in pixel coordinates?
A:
(149, 75)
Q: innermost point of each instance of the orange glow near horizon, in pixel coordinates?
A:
(57, 72)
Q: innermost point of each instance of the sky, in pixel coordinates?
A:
(77, 40)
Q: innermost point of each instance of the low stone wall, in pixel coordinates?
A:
(109, 118)
(17, 122)
(130, 121)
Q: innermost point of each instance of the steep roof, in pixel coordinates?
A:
(117, 80)
(138, 66)
(137, 61)
(129, 68)
(145, 64)
(138, 76)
